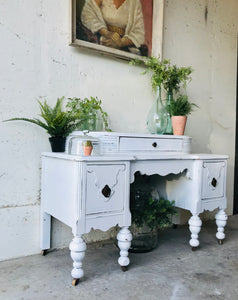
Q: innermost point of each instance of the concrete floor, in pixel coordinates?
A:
(171, 271)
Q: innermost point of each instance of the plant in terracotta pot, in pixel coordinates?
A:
(180, 109)
(175, 77)
(171, 78)
(87, 147)
(57, 123)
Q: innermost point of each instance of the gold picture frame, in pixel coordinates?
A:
(156, 33)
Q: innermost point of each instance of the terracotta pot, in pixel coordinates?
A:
(87, 150)
(179, 123)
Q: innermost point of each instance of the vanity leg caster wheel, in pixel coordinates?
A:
(220, 242)
(43, 252)
(124, 268)
(75, 281)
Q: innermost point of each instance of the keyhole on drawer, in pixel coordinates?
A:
(214, 182)
(106, 191)
(154, 144)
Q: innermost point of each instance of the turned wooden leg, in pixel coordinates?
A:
(77, 251)
(195, 224)
(221, 219)
(124, 238)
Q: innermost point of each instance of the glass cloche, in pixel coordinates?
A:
(83, 144)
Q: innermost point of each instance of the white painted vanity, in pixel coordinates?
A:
(87, 192)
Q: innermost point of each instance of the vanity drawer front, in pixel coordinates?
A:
(105, 188)
(213, 179)
(152, 144)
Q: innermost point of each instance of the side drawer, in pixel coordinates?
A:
(213, 179)
(152, 144)
(105, 188)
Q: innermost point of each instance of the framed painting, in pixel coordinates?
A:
(124, 29)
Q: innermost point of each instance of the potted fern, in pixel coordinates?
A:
(57, 123)
(180, 109)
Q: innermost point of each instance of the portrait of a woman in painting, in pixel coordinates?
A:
(119, 24)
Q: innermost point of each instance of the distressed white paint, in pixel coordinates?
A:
(36, 61)
(73, 189)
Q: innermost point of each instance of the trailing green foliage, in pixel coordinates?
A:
(181, 106)
(154, 213)
(164, 74)
(88, 112)
(56, 122)
(175, 77)
(156, 67)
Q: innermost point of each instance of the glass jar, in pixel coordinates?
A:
(169, 128)
(92, 122)
(157, 116)
(84, 145)
(144, 239)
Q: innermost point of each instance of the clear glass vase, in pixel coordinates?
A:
(169, 128)
(92, 122)
(144, 239)
(157, 116)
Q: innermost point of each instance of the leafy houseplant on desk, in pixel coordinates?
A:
(180, 109)
(175, 78)
(56, 122)
(92, 116)
(170, 77)
(157, 117)
(79, 115)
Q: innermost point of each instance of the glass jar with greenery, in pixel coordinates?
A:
(149, 213)
(90, 114)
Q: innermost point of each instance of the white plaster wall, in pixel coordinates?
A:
(36, 62)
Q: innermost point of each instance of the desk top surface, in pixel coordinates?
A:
(145, 156)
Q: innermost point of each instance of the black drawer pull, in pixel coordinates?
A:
(154, 144)
(214, 182)
(106, 191)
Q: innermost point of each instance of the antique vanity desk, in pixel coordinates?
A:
(86, 192)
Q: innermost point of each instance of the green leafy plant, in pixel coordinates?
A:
(88, 112)
(181, 106)
(175, 77)
(164, 74)
(56, 122)
(152, 212)
(156, 67)
(87, 143)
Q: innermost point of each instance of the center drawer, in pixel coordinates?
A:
(149, 144)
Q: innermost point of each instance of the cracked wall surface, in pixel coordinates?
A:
(38, 63)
